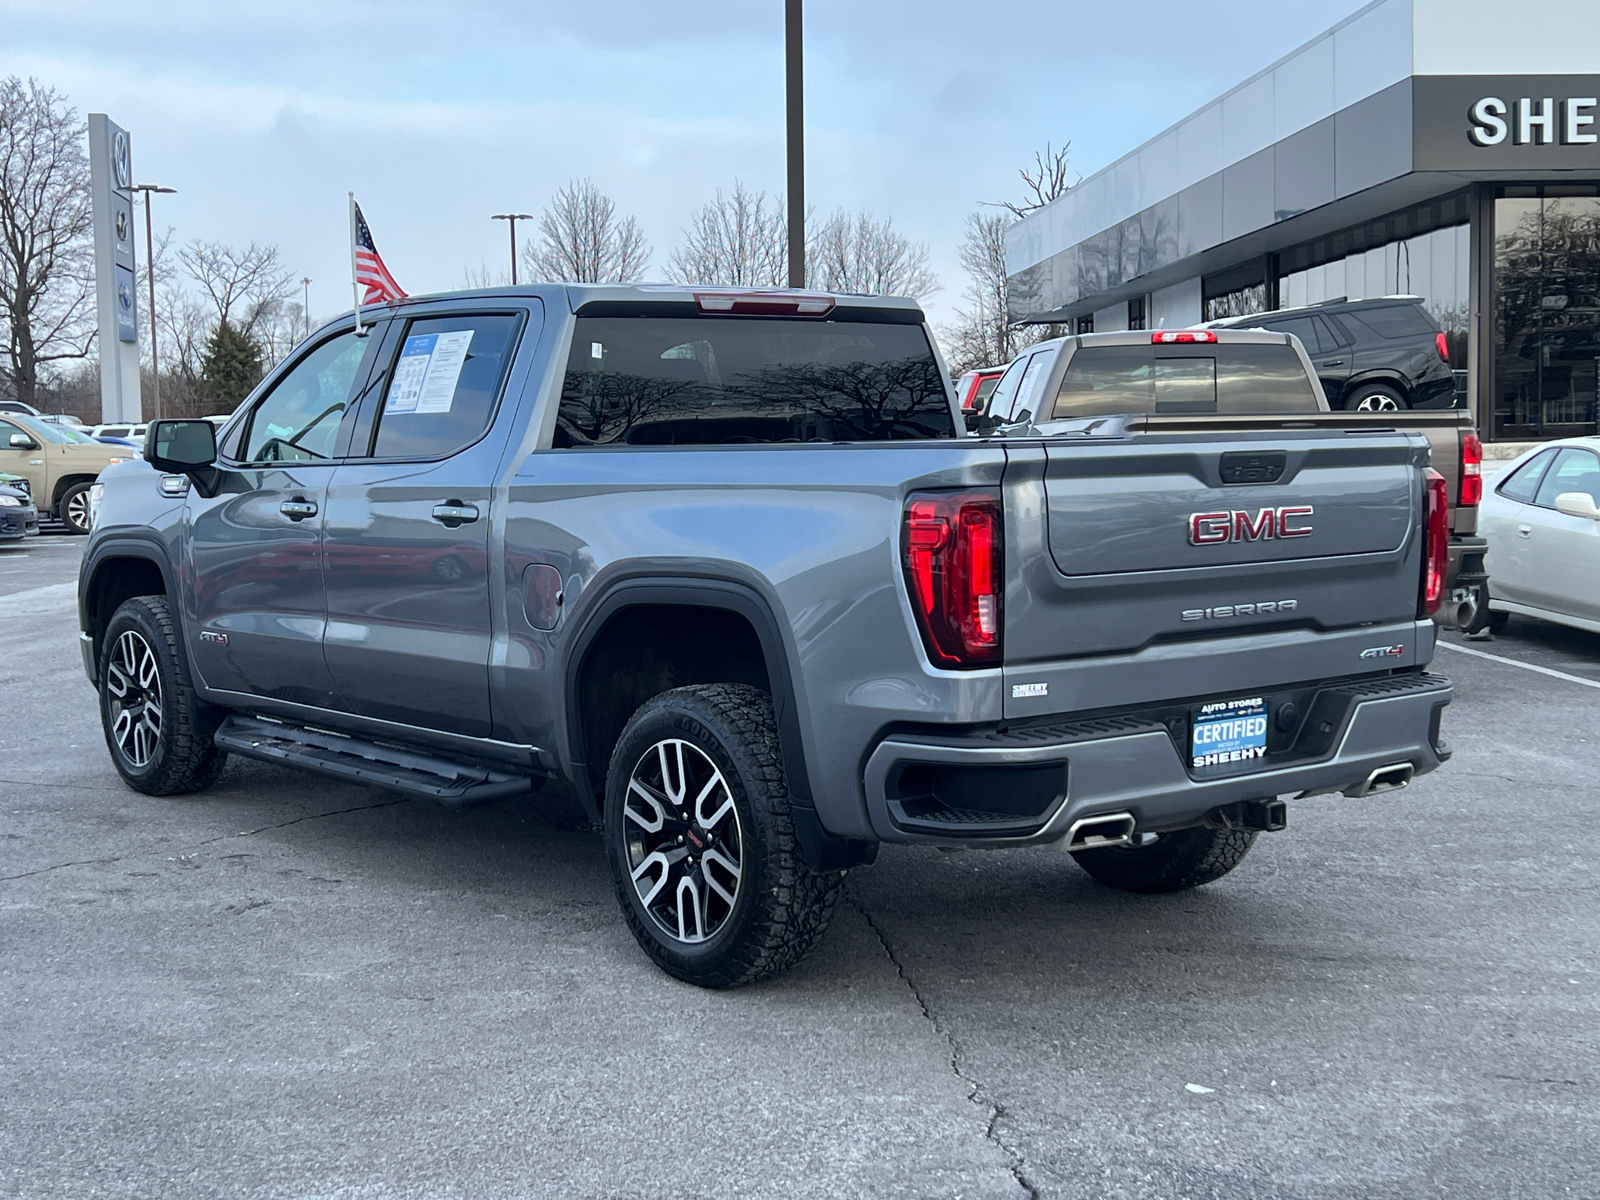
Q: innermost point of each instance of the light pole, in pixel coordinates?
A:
(305, 305)
(513, 218)
(150, 269)
(793, 58)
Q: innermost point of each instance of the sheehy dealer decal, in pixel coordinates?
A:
(430, 366)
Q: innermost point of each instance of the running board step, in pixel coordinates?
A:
(358, 761)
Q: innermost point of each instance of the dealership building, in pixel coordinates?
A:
(1447, 149)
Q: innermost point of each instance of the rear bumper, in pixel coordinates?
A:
(1121, 764)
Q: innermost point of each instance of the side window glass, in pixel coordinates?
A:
(1573, 471)
(1304, 328)
(298, 421)
(1006, 390)
(445, 385)
(1030, 392)
(1524, 481)
(1331, 341)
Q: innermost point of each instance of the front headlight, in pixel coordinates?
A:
(96, 492)
(10, 502)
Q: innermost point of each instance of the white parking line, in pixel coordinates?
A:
(1525, 666)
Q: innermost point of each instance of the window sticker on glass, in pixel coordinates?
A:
(426, 376)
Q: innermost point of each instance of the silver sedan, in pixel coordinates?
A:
(1542, 522)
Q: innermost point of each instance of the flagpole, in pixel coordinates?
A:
(355, 286)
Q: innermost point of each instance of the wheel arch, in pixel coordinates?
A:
(1386, 376)
(738, 601)
(62, 484)
(115, 572)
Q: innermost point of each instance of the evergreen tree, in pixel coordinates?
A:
(230, 366)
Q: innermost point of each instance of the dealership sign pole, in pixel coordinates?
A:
(116, 296)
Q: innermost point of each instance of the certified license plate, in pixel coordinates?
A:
(1228, 731)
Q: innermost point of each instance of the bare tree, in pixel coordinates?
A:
(1044, 183)
(982, 335)
(243, 285)
(46, 261)
(278, 329)
(582, 240)
(484, 277)
(865, 255)
(737, 240)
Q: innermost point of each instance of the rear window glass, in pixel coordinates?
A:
(1103, 380)
(689, 381)
(1395, 321)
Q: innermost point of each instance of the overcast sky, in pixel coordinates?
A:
(264, 115)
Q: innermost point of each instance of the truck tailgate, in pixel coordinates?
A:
(1154, 567)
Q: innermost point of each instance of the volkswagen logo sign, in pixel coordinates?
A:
(121, 223)
(119, 159)
(125, 295)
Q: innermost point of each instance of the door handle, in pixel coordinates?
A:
(298, 509)
(1524, 530)
(1332, 362)
(452, 513)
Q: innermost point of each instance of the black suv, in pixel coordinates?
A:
(1371, 355)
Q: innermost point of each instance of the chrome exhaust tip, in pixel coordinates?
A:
(1098, 832)
(1385, 779)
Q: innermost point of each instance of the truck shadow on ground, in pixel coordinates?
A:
(1029, 915)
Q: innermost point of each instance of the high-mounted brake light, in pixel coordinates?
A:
(1470, 493)
(1442, 345)
(1163, 337)
(766, 304)
(1436, 529)
(953, 551)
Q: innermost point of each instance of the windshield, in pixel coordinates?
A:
(730, 380)
(60, 435)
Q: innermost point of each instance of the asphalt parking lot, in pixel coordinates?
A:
(288, 987)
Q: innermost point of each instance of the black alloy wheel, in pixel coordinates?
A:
(158, 731)
(703, 852)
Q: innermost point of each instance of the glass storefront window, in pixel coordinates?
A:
(1546, 311)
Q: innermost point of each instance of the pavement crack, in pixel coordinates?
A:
(82, 862)
(338, 812)
(976, 1094)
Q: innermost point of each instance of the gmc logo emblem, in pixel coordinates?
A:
(1237, 525)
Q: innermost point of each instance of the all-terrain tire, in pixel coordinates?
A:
(1175, 862)
(72, 510)
(140, 660)
(780, 907)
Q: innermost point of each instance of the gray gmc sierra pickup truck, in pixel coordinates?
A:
(729, 563)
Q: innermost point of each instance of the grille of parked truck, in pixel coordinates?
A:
(730, 563)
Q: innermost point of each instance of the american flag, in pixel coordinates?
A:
(380, 285)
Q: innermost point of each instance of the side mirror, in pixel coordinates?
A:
(21, 441)
(183, 448)
(1578, 504)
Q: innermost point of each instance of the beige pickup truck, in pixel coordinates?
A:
(58, 463)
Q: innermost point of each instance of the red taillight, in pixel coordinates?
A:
(1436, 525)
(765, 304)
(1181, 336)
(953, 559)
(1443, 346)
(1470, 494)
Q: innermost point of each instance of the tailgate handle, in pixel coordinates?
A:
(1254, 466)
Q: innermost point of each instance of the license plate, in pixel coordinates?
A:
(1228, 731)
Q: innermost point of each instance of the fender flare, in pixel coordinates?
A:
(138, 545)
(1383, 376)
(822, 851)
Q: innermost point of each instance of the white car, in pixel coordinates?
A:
(1542, 522)
(134, 433)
